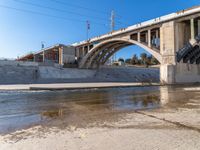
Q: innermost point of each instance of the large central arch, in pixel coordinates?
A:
(101, 52)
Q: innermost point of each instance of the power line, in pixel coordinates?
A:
(71, 12)
(81, 7)
(59, 10)
(52, 16)
(89, 9)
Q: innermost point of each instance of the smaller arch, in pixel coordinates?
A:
(103, 61)
(102, 49)
(106, 54)
(105, 44)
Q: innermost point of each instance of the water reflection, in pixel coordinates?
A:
(52, 114)
(19, 109)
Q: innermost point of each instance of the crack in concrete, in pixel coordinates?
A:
(169, 121)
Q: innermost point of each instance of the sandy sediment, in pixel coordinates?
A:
(139, 130)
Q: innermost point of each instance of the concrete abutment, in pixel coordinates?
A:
(172, 39)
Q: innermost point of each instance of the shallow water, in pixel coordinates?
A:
(22, 109)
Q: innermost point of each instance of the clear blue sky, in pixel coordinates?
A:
(22, 32)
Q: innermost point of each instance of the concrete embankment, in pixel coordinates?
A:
(12, 72)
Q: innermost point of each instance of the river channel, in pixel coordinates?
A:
(24, 109)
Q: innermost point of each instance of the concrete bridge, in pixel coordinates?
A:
(172, 39)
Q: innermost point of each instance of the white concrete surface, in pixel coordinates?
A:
(65, 86)
(187, 73)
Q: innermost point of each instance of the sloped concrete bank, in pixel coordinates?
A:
(32, 73)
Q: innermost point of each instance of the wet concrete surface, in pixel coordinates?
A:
(101, 108)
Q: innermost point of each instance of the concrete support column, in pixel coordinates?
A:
(198, 27)
(83, 51)
(157, 38)
(88, 48)
(138, 37)
(149, 38)
(192, 29)
(146, 37)
(80, 52)
(167, 74)
(168, 52)
(43, 55)
(34, 58)
(60, 55)
(77, 53)
(157, 33)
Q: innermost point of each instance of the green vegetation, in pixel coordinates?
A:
(121, 59)
(144, 59)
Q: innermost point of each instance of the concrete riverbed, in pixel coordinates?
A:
(71, 86)
(141, 118)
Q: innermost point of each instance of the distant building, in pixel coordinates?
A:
(60, 54)
(118, 63)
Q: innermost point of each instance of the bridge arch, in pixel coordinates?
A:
(101, 52)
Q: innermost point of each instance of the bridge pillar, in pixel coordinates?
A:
(138, 37)
(198, 27)
(157, 38)
(146, 37)
(149, 38)
(192, 29)
(167, 50)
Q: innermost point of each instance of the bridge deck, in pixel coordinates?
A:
(151, 22)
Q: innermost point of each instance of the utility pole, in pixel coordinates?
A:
(112, 28)
(112, 23)
(42, 46)
(87, 29)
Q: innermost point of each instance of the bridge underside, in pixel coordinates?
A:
(101, 56)
(101, 53)
(190, 53)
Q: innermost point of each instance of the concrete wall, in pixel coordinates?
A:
(17, 63)
(187, 73)
(167, 74)
(12, 73)
(128, 74)
(182, 34)
(64, 73)
(68, 55)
